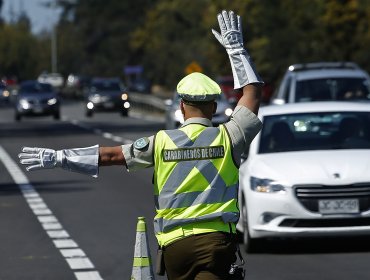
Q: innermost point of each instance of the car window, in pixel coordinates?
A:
(106, 86)
(332, 89)
(35, 88)
(315, 131)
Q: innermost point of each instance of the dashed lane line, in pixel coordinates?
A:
(98, 131)
(77, 260)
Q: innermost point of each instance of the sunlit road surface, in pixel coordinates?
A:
(61, 225)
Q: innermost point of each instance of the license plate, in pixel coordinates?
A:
(37, 109)
(337, 206)
(109, 105)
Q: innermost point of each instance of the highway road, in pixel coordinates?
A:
(60, 225)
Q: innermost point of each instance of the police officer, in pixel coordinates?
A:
(195, 166)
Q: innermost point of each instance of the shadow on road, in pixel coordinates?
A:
(313, 245)
(42, 187)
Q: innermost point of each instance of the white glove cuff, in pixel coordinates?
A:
(243, 69)
(82, 160)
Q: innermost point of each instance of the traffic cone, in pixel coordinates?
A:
(142, 267)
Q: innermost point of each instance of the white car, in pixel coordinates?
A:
(323, 81)
(307, 172)
(56, 80)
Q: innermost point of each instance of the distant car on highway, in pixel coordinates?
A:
(307, 173)
(4, 94)
(174, 117)
(56, 80)
(36, 99)
(76, 86)
(107, 94)
(322, 81)
(227, 86)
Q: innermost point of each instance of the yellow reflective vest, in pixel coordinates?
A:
(195, 182)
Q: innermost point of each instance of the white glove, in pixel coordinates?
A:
(231, 38)
(39, 158)
(83, 160)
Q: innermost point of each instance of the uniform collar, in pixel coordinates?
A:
(202, 121)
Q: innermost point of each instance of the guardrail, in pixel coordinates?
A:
(148, 102)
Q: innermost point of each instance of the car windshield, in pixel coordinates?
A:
(332, 89)
(106, 86)
(35, 88)
(315, 131)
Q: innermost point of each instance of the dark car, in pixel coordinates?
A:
(4, 94)
(36, 99)
(107, 94)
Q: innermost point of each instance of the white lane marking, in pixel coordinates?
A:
(52, 226)
(79, 263)
(107, 135)
(72, 253)
(98, 131)
(49, 222)
(38, 212)
(57, 234)
(88, 275)
(65, 243)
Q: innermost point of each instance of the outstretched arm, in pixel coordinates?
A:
(244, 73)
(111, 156)
(83, 160)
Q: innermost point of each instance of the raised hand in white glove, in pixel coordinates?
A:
(38, 158)
(82, 160)
(231, 38)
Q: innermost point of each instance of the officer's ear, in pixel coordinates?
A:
(214, 107)
(182, 107)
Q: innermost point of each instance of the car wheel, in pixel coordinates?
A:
(248, 241)
(89, 113)
(56, 116)
(124, 113)
(17, 117)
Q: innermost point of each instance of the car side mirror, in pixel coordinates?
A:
(278, 101)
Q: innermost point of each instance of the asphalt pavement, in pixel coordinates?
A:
(96, 218)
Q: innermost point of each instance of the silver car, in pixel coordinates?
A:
(174, 117)
(35, 99)
(323, 81)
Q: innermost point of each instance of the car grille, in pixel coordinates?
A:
(336, 222)
(38, 101)
(309, 195)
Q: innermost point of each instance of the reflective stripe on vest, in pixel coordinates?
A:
(218, 200)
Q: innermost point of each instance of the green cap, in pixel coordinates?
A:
(198, 87)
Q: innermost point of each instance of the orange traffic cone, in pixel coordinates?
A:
(142, 267)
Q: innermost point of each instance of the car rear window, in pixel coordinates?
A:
(332, 89)
(106, 85)
(35, 88)
(315, 131)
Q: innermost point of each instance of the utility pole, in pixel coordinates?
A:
(54, 56)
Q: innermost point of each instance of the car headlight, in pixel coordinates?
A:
(90, 105)
(228, 112)
(6, 93)
(178, 116)
(124, 96)
(24, 103)
(266, 186)
(52, 101)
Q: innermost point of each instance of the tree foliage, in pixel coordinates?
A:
(100, 38)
